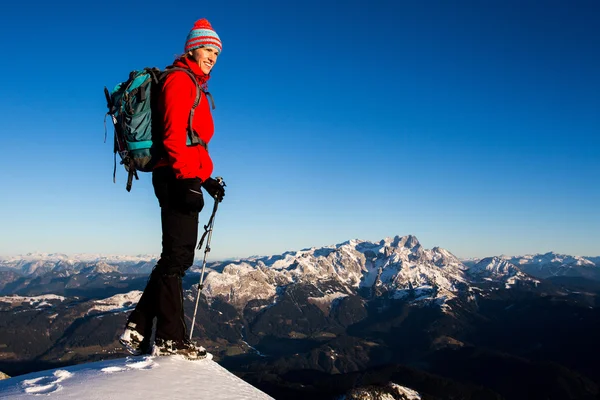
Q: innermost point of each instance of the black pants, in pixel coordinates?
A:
(163, 295)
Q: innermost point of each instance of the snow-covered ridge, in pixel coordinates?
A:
(390, 391)
(392, 264)
(117, 303)
(495, 267)
(557, 265)
(36, 301)
(551, 258)
(545, 259)
(499, 269)
(326, 302)
(65, 265)
(79, 257)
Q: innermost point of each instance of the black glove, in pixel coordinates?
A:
(214, 188)
(190, 191)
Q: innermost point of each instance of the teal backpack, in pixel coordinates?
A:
(138, 132)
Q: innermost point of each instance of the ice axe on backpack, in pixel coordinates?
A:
(208, 229)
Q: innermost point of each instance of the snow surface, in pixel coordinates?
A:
(131, 378)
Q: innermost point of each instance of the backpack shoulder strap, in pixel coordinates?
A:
(194, 139)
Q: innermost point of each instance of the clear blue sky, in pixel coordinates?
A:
(474, 125)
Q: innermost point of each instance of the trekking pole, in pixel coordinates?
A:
(208, 229)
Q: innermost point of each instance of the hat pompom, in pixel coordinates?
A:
(202, 24)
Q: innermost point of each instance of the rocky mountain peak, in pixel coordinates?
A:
(494, 266)
(408, 241)
(398, 265)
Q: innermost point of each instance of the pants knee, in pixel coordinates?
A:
(168, 270)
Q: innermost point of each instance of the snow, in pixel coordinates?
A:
(370, 276)
(117, 303)
(64, 265)
(38, 301)
(131, 378)
(391, 391)
(326, 302)
(543, 260)
(393, 264)
(409, 394)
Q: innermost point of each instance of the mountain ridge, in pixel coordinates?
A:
(17, 262)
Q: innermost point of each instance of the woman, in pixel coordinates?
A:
(177, 180)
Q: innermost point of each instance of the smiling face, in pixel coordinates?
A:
(205, 57)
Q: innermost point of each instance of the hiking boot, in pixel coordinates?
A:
(185, 347)
(132, 340)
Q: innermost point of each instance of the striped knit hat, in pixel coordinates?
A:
(202, 34)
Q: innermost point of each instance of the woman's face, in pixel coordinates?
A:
(206, 57)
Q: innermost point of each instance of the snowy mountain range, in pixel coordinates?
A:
(41, 263)
(334, 310)
(398, 266)
(537, 265)
(552, 264)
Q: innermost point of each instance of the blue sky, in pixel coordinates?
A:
(473, 125)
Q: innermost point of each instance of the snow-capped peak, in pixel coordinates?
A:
(494, 266)
(397, 265)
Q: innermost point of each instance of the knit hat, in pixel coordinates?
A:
(202, 34)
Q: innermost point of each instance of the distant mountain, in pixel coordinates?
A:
(549, 265)
(497, 269)
(80, 275)
(552, 264)
(38, 264)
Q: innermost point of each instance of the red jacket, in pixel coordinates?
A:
(175, 104)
